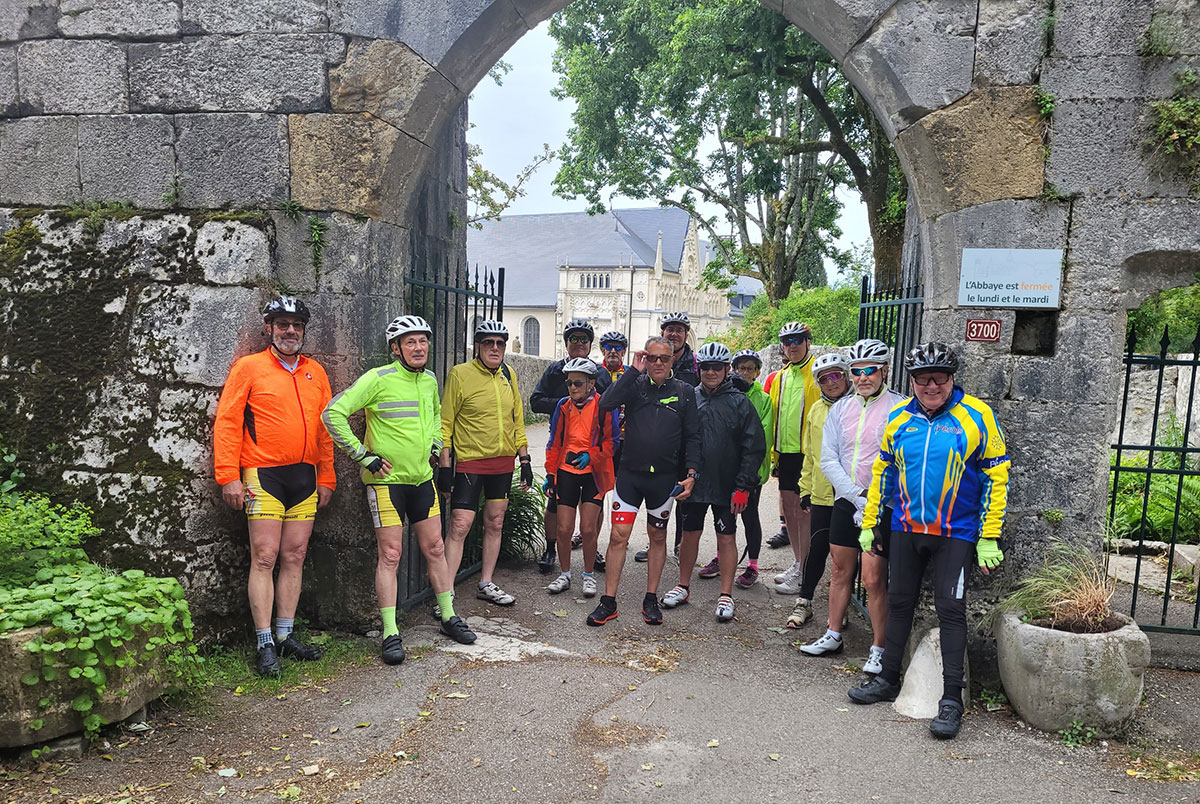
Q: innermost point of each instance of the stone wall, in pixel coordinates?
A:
(529, 370)
(1179, 396)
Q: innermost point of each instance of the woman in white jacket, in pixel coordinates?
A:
(851, 439)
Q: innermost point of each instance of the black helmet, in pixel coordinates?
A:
(285, 305)
(931, 356)
(612, 336)
(579, 325)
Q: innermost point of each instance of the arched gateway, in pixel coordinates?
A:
(313, 145)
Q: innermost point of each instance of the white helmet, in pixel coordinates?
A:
(869, 350)
(714, 353)
(580, 364)
(827, 361)
(491, 327)
(674, 318)
(407, 324)
(748, 354)
(795, 328)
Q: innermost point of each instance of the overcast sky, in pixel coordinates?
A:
(510, 123)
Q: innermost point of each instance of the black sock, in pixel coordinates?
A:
(650, 598)
(889, 677)
(608, 600)
(953, 693)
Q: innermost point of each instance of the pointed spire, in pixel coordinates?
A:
(658, 260)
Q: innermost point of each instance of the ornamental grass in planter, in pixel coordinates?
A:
(1065, 656)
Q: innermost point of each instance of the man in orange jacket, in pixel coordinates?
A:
(274, 460)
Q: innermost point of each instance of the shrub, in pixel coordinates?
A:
(832, 313)
(1070, 591)
(1129, 492)
(1175, 129)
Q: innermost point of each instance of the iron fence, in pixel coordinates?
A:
(452, 297)
(1154, 494)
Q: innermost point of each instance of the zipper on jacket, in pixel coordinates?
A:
(304, 421)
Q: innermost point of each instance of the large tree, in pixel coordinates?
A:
(689, 101)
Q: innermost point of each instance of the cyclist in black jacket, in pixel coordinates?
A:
(551, 390)
(659, 464)
(734, 446)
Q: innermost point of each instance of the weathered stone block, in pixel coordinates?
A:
(232, 253)
(134, 19)
(1056, 678)
(118, 412)
(474, 51)
(986, 147)
(346, 326)
(1176, 24)
(159, 248)
(127, 157)
(1100, 27)
(1096, 149)
(364, 257)
(430, 27)
(353, 163)
(64, 76)
(918, 58)
(293, 256)
(1010, 41)
(253, 73)
(389, 81)
(183, 426)
(254, 16)
(28, 19)
(837, 24)
(40, 158)
(191, 333)
(1117, 77)
(235, 159)
(8, 81)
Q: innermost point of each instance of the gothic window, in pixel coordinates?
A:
(607, 281)
(532, 334)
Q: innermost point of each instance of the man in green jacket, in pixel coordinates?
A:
(402, 443)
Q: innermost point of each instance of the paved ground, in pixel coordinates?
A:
(544, 708)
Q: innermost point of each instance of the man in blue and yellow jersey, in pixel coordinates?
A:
(793, 392)
(398, 453)
(483, 425)
(943, 466)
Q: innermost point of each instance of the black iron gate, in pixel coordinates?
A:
(452, 297)
(1154, 494)
(891, 313)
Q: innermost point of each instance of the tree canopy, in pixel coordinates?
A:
(724, 102)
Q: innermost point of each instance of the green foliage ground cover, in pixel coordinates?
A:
(100, 621)
(832, 313)
(1131, 493)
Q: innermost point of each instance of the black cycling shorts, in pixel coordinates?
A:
(691, 514)
(634, 488)
(285, 493)
(844, 533)
(468, 487)
(571, 489)
(788, 468)
(392, 503)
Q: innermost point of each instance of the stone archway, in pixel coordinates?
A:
(349, 109)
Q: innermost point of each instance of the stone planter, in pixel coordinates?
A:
(19, 702)
(1056, 678)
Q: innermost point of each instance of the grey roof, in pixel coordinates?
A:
(531, 247)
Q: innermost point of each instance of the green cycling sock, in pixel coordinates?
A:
(446, 602)
(389, 621)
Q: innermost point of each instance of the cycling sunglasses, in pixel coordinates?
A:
(659, 358)
(488, 343)
(712, 366)
(864, 372)
(576, 383)
(793, 340)
(578, 339)
(612, 347)
(925, 380)
(831, 377)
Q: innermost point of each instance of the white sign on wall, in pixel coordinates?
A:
(1010, 277)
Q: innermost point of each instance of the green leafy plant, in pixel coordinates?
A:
(1053, 516)
(1077, 734)
(1161, 37)
(316, 239)
(1165, 496)
(1174, 139)
(94, 214)
(1045, 103)
(993, 700)
(524, 534)
(1070, 591)
(174, 190)
(96, 621)
(831, 312)
(291, 209)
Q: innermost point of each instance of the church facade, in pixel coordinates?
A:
(621, 271)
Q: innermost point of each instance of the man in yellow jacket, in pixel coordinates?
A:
(483, 426)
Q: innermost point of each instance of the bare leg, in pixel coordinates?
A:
(590, 530)
(460, 526)
(389, 544)
(689, 548)
(429, 539)
(727, 556)
(265, 536)
(874, 574)
(566, 529)
(493, 526)
(293, 546)
(797, 524)
(841, 579)
(658, 558)
(618, 542)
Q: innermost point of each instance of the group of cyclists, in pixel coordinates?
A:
(866, 476)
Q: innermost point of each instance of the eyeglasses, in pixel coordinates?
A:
(926, 380)
(658, 358)
(612, 347)
(286, 325)
(576, 383)
(793, 340)
(492, 343)
(578, 339)
(830, 377)
(712, 366)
